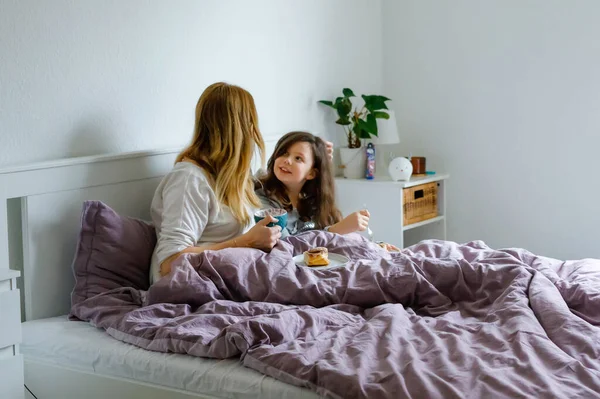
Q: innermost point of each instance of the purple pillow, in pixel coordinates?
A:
(112, 251)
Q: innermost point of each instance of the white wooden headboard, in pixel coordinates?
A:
(40, 210)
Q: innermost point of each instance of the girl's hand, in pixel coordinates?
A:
(389, 247)
(260, 236)
(357, 221)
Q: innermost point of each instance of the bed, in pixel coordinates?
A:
(56, 347)
(68, 359)
(439, 319)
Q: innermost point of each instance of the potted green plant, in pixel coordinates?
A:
(358, 125)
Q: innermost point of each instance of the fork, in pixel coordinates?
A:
(369, 231)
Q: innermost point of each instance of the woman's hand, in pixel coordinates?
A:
(260, 236)
(329, 146)
(357, 221)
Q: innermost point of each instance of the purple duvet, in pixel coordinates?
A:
(438, 320)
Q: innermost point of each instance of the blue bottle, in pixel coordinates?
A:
(370, 161)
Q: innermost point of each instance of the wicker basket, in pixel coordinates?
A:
(420, 203)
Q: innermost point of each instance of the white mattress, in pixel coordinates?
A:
(76, 344)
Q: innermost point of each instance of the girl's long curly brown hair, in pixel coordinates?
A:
(317, 197)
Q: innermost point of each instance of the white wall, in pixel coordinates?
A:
(96, 76)
(505, 96)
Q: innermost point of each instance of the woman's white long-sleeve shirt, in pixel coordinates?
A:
(186, 212)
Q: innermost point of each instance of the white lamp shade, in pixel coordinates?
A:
(387, 130)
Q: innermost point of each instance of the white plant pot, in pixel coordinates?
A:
(354, 162)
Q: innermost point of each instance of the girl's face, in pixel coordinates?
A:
(295, 166)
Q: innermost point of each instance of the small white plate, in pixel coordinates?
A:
(335, 260)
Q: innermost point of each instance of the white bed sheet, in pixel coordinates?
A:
(76, 344)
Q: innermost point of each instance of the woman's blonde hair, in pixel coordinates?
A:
(225, 138)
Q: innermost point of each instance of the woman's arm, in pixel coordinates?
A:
(184, 213)
(165, 267)
(260, 236)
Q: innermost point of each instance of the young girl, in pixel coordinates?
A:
(299, 179)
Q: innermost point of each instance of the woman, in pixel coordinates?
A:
(206, 201)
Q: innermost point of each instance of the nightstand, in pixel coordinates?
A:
(384, 199)
(11, 362)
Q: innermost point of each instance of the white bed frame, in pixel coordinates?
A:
(40, 210)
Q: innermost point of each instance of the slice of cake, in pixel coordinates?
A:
(318, 256)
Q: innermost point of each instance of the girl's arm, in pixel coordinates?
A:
(357, 221)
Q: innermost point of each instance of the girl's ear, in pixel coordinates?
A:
(312, 174)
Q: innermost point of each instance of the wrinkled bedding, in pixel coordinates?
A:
(436, 320)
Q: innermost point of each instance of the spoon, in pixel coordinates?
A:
(369, 231)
